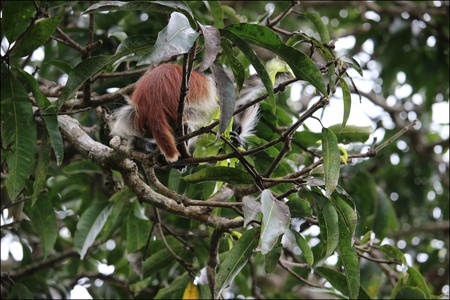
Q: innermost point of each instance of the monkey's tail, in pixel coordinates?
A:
(163, 134)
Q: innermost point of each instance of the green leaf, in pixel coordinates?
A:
(161, 259)
(346, 209)
(338, 281)
(302, 66)
(299, 208)
(254, 60)
(16, 17)
(91, 66)
(227, 97)
(331, 160)
(84, 166)
(416, 280)
(334, 277)
(225, 174)
(320, 26)
(19, 290)
(350, 260)
(393, 252)
(236, 259)
(235, 64)
(175, 289)
(303, 37)
(352, 62)
(137, 231)
(35, 37)
(347, 101)
(385, 215)
(90, 225)
(19, 139)
(43, 219)
(121, 207)
(63, 66)
(217, 13)
(306, 249)
(42, 167)
(176, 38)
(50, 116)
(328, 221)
(276, 217)
(271, 258)
(164, 7)
(351, 133)
(410, 293)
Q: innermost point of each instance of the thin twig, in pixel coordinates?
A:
(185, 265)
(298, 276)
(395, 136)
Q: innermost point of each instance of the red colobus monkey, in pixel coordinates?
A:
(152, 109)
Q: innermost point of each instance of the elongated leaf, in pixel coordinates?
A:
(82, 167)
(164, 7)
(254, 60)
(352, 62)
(288, 239)
(347, 101)
(178, 289)
(176, 38)
(350, 260)
(393, 252)
(306, 249)
(236, 259)
(16, 17)
(410, 293)
(251, 209)
(137, 231)
(35, 37)
(19, 290)
(346, 209)
(160, 258)
(385, 216)
(227, 97)
(19, 140)
(338, 281)
(121, 207)
(42, 167)
(299, 208)
(351, 133)
(334, 277)
(225, 174)
(276, 217)
(63, 66)
(301, 37)
(320, 26)
(235, 64)
(211, 36)
(89, 67)
(331, 160)
(90, 225)
(50, 119)
(302, 66)
(217, 13)
(328, 223)
(271, 258)
(416, 280)
(43, 219)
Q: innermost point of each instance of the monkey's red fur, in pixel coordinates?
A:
(156, 99)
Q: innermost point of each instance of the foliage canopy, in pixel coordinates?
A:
(342, 191)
